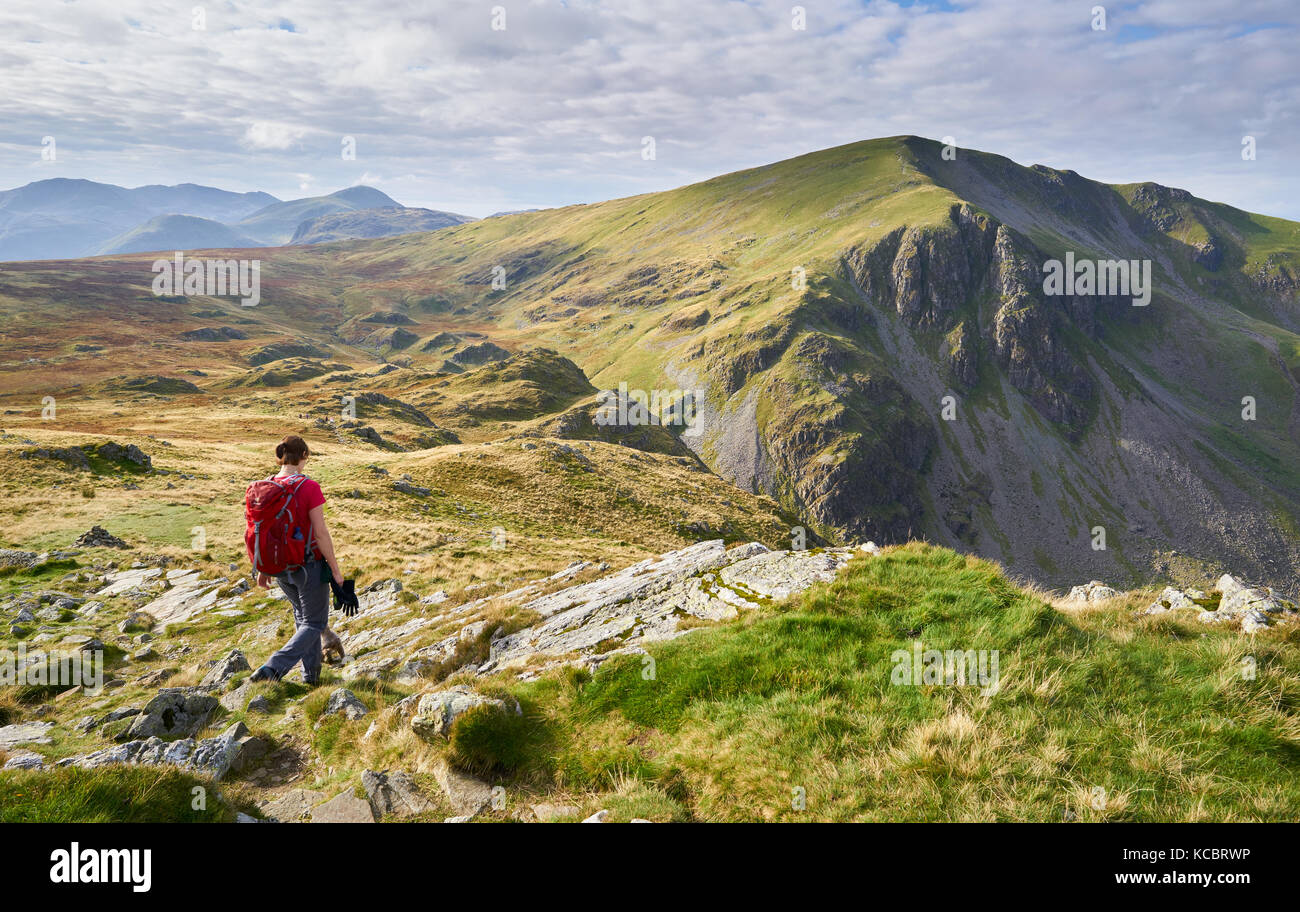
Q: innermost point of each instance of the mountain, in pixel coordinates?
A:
(63, 217)
(872, 344)
(176, 232)
(874, 352)
(373, 223)
(277, 223)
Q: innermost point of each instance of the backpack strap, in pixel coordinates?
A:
(302, 479)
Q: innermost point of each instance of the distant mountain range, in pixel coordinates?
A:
(65, 218)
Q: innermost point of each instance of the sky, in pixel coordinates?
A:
(479, 107)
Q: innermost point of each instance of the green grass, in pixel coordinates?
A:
(736, 718)
(117, 794)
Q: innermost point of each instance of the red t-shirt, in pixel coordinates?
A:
(308, 497)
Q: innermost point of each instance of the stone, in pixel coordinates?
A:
(225, 669)
(545, 813)
(393, 794)
(25, 761)
(344, 702)
(1170, 599)
(259, 704)
(437, 711)
(1093, 591)
(293, 806)
(211, 756)
(189, 595)
(249, 750)
(466, 794)
(463, 818)
(25, 733)
(216, 756)
(99, 537)
(172, 713)
(136, 621)
(1253, 620)
(343, 808)
(598, 817)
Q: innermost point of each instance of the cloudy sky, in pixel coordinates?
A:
(451, 111)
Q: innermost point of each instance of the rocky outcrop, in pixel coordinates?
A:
(394, 794)
(1094, 591)
(1233, 603)
(211, 756)
(436, 712)
(173, 713)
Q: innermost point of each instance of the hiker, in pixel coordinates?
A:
(288, 540)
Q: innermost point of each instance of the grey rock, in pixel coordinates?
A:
(466, 794)
(1093, 591)
(25, 733)
(25, 761)
(545, 813)
(437, 711)
(293, 806)
(343, 808)
(393, 794)
(226, 668)
(173, 713)
(136, 621)
(344, 702)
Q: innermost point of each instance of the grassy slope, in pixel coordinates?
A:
(1155, 711)
(110, 795)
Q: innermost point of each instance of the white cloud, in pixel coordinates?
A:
(264, 135)
(552, 110)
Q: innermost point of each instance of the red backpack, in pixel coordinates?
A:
(276, 539)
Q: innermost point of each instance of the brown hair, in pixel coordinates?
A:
(291, 450)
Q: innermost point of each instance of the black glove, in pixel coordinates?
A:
(345, 597)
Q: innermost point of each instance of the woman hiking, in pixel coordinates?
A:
(289, 542)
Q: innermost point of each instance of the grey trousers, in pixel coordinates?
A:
(309, 595)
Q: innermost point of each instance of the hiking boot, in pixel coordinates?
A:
(265, 673)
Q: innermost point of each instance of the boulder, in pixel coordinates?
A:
(344, 702)
(293, 806)
(1093, 591)
(1170, 599)
(343, 808)
(437, 711)
(466, 794)
(211, 756)
(225, 669)
(174, 713)
(136, 621)
(393, 794)
(25, 761)
(25, 733)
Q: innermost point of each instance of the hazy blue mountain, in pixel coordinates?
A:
(277, 223)
(176, 232)
(66, 217)
(373, 223)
